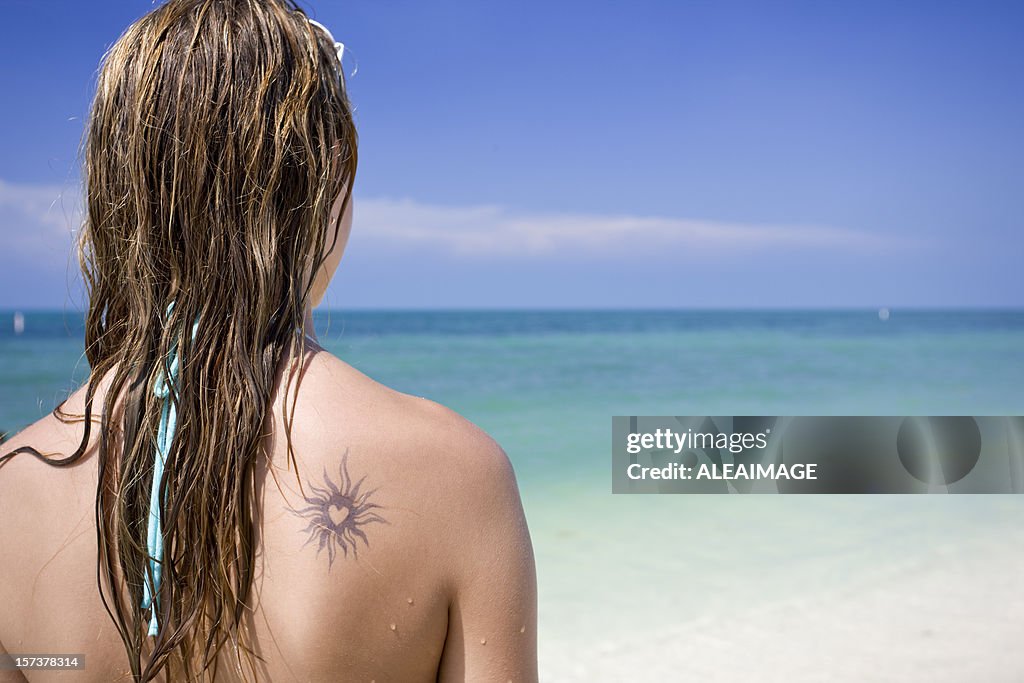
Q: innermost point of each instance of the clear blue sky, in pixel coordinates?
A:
(613, 154)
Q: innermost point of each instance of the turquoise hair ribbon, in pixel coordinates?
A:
(165, 384)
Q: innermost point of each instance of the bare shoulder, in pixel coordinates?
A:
(53, 491)
(459, 450)
(445, 488)
(22, 472)
(437, 474)
(53, 436)
(468, 469)
(434, 442)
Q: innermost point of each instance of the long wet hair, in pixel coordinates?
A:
(218, 140)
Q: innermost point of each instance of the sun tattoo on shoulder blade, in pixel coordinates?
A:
(338, 513)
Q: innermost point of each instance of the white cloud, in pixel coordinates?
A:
(494, 230)
(37, 224)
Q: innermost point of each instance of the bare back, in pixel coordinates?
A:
(404, 556)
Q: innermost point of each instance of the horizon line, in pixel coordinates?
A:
(610, 309)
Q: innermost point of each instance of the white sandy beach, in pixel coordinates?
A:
(908, 601)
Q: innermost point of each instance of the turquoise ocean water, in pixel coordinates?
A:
(545, 385)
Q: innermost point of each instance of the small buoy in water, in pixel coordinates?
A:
(19, 322)
(883, 314)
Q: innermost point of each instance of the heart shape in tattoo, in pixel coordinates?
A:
(337, 513)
